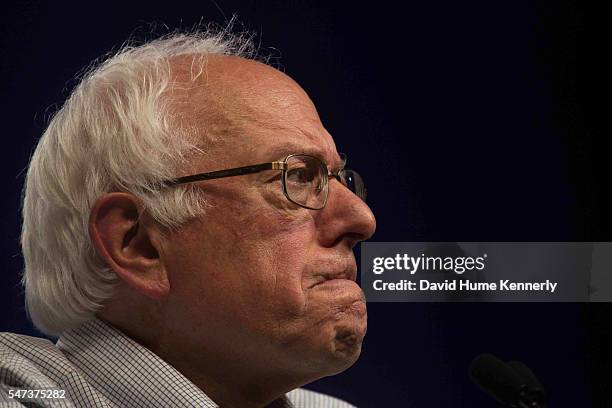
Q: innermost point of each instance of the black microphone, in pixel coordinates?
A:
(526, 374)
(512, 384)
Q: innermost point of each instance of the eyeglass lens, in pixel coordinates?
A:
(306, 181)
(354, 182)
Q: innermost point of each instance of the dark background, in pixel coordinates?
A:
(470, 121)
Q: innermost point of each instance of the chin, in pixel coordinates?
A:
(346, 345)
(335, 342)
(342, 359)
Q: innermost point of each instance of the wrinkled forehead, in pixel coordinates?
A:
(248, 112)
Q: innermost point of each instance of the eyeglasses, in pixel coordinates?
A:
(305, 179)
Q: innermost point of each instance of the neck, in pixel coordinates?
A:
(233, 381)
(229, 374)
(228, 370)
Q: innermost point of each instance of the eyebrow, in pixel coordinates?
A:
(284, 149)
(281, 151)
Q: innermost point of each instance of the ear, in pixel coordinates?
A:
(129, 244)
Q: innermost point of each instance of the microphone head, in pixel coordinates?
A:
(497, 379)
(526, 374)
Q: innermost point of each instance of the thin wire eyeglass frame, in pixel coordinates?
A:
(340, 175)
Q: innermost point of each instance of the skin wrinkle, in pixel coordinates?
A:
(243, 318)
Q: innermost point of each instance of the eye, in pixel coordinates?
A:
(301, 175)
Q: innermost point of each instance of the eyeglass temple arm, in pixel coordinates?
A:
(238, 171)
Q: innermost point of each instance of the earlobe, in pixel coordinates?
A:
(129, 244)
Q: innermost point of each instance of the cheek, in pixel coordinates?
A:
(291, 258)
(280, 261)
(259, 257)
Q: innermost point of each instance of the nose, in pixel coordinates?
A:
(345, 218)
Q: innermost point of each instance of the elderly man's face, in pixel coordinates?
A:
(257, 277)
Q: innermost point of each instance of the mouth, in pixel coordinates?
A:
(349, 274)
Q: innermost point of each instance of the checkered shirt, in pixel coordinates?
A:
(98, 366)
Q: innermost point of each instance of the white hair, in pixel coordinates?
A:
(114, 133)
